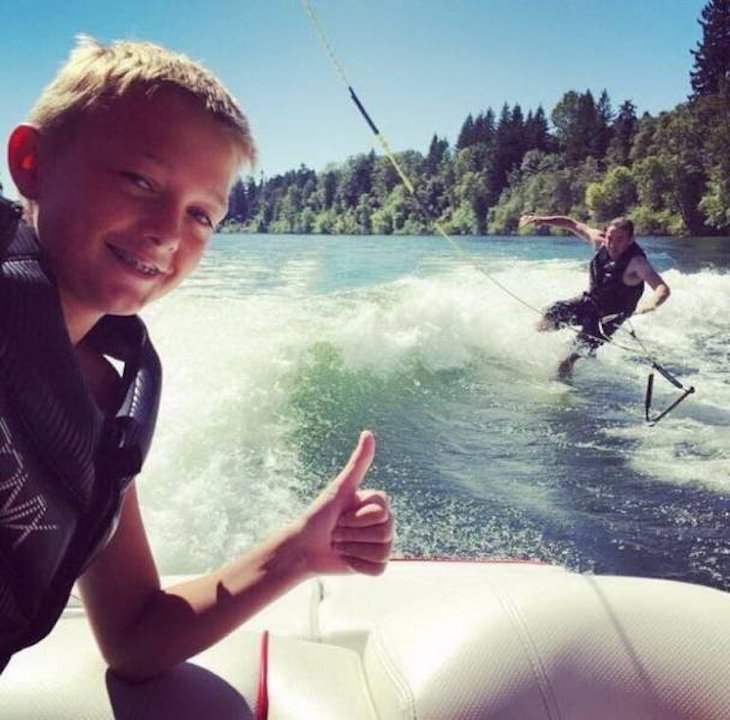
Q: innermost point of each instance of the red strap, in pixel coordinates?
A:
(262, 695)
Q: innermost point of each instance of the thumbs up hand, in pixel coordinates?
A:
(347, 529)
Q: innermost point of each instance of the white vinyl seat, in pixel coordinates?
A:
(426, 641)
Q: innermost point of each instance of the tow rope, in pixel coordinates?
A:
(460, 252)
(394, 162)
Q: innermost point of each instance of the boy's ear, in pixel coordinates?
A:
(24, 160)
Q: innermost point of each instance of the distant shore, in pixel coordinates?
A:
(238, 229)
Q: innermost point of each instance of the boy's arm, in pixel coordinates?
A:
(641, 269)
(581, 230)
(143, 629)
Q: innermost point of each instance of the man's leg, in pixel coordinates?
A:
(591, 336)
(560, 313)
(565, 368)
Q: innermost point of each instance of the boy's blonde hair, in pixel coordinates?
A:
(96, 74)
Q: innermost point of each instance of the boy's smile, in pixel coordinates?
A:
(128, 199)
(139, 266)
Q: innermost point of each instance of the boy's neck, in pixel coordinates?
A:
(78, 321)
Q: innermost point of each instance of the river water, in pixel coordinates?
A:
(282, 348)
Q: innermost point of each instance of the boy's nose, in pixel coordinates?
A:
(164, 226)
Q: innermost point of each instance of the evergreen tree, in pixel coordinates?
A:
(565, 120)
(711, 71)
(587, 130)
(581, 126)
(484, 128)
(502, 158)
(605, 113)
(253, 191)
(604, 117)
(537, 136)
(238, 208)
(466, 134)
(713, 115)
(438, 151)
(517, 120)
(328, 187)
(517, 136)
(385, 179)
(356, 179)
(622, 134)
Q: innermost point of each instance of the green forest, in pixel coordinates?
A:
(588, 158)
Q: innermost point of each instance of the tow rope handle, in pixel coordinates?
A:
(650, 388)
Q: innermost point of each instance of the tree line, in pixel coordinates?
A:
(670, 172)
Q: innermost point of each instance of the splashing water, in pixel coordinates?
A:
(281, 350)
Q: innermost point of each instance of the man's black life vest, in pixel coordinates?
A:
(64, 466)
(607, 288)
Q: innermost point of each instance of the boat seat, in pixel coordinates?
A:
(529, 643)
(425, 641)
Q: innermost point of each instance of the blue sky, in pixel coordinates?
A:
(418, 65)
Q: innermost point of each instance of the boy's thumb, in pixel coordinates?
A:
(348, 481)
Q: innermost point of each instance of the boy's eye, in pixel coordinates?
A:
(138, 180)
(202, 217)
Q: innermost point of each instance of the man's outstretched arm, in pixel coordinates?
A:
(579, 229)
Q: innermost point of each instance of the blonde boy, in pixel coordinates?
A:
(125, 166)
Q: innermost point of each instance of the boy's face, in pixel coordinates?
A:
(128, 203)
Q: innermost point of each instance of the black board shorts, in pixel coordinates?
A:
(583, 312)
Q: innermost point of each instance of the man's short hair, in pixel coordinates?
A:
(95, 74)
(622, 223)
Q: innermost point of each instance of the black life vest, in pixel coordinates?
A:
(64, 466)
(607, 288)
